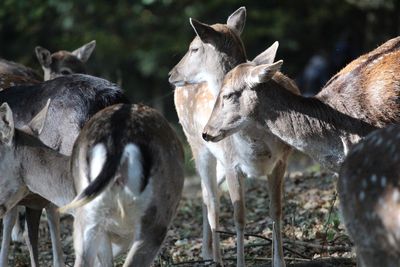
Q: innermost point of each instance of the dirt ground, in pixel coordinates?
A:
(312, 231)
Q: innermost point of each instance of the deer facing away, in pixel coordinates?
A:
(74, 99)
(139, 170)
(198, 77)
(360, 98)
(369, 193)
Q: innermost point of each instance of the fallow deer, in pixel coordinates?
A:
(360, 98)
(54, 65)
(127, 165)
(75, 99)
(369, 192)
(215, 50)
(14, 74)
(64, 62)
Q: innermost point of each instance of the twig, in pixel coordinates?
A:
(318, 246)
(269, 240)
(192, 262)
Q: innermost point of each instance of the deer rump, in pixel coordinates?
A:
(74, 99)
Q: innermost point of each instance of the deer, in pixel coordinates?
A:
(358, 100)
(64, 62)
(54, 65)
(14, 74)
(369, 193)
(127, 166)
(214, 51)
(75, 98)
(133, 172)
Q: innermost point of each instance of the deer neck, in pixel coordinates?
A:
(309, 125)
(45, 171)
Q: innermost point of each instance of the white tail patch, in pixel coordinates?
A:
(132, 160)
(98, 157)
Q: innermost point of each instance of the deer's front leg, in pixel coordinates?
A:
(206, 165)
(235, 181)
(8, 223)
(275, 189)
(31, 239)
(53, 217)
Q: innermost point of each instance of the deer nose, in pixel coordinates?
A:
(206, 136)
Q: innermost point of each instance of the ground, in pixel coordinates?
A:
(312, 231)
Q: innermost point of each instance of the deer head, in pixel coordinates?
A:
(237, 99)
(215, 50)
(64, 62)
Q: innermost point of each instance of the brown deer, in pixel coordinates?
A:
(127, 165)
(64, 62)
(54, 65)
(369, 192)
(198, 77)
(360, 98)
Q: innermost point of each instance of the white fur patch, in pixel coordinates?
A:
(97, 160)
(133, 156)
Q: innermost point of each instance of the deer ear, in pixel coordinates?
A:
(237, 20)
(268, 56)
(6, 124)
(205, 32)
(263, 73)
(36, 125)
(83, 53)
(44, 56)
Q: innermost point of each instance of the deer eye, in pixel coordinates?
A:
(194, 49)
(231, 96)
(66, 72)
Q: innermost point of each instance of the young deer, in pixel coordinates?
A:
(369, 192)
(127, 165)
(363, 96)
(64, 62)
(74, 99)
(215, 50)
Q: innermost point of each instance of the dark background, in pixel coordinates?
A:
(138, 42)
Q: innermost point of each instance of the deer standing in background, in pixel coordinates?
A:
(64, 62)
(54, 65)
(361, 97)
(369, 192)
(74, 99)
(198, 77)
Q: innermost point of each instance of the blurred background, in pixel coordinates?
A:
(138, 42)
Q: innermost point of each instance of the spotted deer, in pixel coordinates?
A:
(14, 74)
(215, 50)
(369, 193)
(74, 99)
(359, 99)
(127, 166)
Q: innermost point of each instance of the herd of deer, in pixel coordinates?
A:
(75, 141)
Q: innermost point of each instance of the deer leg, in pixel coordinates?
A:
(206, 165)
(53, 219)
(86, 236)
(31, 239)
(18, 230)
(8, 222)
(275, 189)
(147, 245)
(235, 181)
(104, 253)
